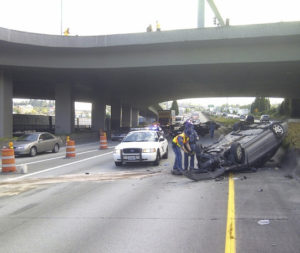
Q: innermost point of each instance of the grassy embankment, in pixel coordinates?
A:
(292, 139)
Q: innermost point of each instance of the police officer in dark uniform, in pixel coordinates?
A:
(193, 138)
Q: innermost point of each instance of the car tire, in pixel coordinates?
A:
(33, 151)
(118, 164)
(166, 155)
(156, 162)
(237, 151)
(278, 130)
(56, 148)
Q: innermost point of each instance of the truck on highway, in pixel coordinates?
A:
(166, 118)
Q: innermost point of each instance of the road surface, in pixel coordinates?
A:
(86, 204)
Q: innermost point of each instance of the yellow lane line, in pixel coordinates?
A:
(230, 229)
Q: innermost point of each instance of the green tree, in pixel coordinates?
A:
(260, 104)
(285, 107)
(174, 107)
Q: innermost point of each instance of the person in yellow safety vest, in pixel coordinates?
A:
(181, 141)
(157, 26)
(67, 32)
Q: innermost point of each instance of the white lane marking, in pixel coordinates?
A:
(58, 157)
(56, 167)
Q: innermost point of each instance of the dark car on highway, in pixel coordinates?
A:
(202, 129)
(119, 134)
(248, 147)
(37, 142)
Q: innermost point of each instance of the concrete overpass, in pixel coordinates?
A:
(134, 71)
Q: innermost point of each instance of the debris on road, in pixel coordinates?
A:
(263, 222)
(10, 188)
(219, 179)
(289, 176)
(260, 190)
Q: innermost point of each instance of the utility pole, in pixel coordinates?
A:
(216, 12)
(201, 13)
(61, 20)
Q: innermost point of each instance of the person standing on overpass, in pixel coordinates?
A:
(180, 142)
(158, 26)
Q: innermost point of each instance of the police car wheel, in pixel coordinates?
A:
(156, 162)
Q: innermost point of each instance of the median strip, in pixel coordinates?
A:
(230, 246)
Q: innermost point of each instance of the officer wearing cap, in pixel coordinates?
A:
(193, 138)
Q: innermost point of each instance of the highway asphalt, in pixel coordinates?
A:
(87, 204)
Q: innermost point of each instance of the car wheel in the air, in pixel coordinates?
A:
(277, 130)
(33, 151)
(55, 148)
(237, 151)
(166, 155)
(156, 162)
(118, 164)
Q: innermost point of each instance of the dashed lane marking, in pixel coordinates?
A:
(58, 157)
(56, 167)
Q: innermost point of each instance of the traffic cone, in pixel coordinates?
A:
(103, 141)
(70, 150)
(8, 159)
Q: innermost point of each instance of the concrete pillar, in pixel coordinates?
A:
(126, 116)
(64, 110)
(135, 117)
(6, 107)
(201, 13)
(116, 115)
(295, 108)
(98, 115)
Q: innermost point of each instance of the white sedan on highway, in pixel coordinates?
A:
(141, 146)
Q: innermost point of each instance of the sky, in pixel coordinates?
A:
(100, 17)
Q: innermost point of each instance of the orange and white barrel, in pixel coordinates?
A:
(103, 141)
(8, 160)
(70, 149)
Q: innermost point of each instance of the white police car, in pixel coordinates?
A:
(141, 146)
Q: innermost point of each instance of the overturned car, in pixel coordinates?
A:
(247, 147)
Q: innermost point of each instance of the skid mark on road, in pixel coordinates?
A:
(17, 187)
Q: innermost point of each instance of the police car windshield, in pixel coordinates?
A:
(141, 137)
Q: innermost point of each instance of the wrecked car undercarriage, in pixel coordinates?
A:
(244, 148)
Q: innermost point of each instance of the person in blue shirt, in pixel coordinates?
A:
(193, 138)
(212, 127)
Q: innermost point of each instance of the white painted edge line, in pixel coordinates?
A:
(56, 167)
(58, 157)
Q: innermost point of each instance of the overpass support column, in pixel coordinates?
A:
(64, 110)
(6, 107)
(98, 115)
(295, 108)
(126, 116)
(135, 117)
(116, 115)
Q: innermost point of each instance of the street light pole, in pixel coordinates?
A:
(61, 6)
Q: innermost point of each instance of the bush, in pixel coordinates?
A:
(292, 139)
